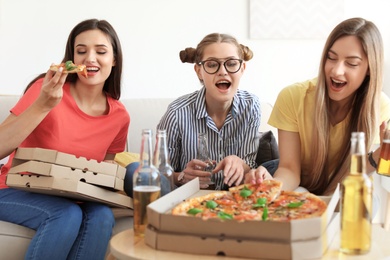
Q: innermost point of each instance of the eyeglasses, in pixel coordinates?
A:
(212, 66)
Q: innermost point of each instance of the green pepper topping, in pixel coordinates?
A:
(265, 214)
(194, 211)
(295, 204)
(260, 203)
(211, 204)
(69, 66)
(223, 215)
(245, 192)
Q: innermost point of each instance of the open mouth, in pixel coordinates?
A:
(337, 83)
(223, 84)
(92, 69)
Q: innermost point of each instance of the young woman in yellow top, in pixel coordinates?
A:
(315, 118)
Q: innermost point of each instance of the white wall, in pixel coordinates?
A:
(152, 32)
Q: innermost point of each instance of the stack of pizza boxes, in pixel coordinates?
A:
(61, 174)
(298, 239)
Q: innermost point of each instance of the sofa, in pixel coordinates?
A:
(144, 113)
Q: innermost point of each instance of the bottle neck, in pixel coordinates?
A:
(146, 150)
(358, 166)
(358, 154)
(202, 152)
(161, 151)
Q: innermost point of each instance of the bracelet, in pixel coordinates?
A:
(372, 160)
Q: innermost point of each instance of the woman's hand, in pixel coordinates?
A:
(195, 168)
(256, 176)
(51, 92)
(233, 170)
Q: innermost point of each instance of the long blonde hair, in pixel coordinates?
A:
(364, 110)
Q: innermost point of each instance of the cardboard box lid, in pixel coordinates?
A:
(303, 229)
(54, 170)
(68, 188)
(51, 156)
(256, 249)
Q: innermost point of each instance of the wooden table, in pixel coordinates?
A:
(125, 246)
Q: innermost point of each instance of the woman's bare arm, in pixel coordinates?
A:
(289, 170)
(15, 129)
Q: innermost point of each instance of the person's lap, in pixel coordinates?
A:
(58, 222)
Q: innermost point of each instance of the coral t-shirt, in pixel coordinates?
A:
(68, 129)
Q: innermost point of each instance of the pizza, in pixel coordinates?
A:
(265, 202)
(290, 205)
(70, 67)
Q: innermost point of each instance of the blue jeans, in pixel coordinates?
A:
(128, 181)
(271, 166)
(64, 228)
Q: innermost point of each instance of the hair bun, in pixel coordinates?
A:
(187, 55)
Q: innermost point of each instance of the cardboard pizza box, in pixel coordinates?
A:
(58, 171)
(68, 187)
(69, 160)
(248, 248)
(161, 219)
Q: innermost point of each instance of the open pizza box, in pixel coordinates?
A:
(297, 239)
(36, 170)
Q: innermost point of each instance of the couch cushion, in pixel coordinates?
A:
(125, 158)
(268, 148)
(10, 229)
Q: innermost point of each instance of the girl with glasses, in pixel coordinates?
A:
(229, 117)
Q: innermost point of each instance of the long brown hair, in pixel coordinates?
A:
(364, 114)
(112, 86)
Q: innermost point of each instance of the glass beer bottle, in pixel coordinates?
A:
(356, 202)
(146, 184)
(161, 158)
(202, 153)
(384, 158)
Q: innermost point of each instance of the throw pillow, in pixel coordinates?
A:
(268, 148)
(125, 158)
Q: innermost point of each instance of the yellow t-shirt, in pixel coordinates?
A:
(293, 112)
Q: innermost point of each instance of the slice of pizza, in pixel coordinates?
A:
(70, 67)
(219, 204)
(292, 205)
(249, 194)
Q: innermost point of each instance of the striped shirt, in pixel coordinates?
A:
(239, 135)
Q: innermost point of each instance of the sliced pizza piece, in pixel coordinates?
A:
(248, 194)
(292, 205)
(219, 204)
(70, 67)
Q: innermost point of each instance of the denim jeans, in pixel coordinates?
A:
(271, 166)
(64, 229)
(128, 181)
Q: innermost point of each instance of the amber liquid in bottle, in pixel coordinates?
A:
(384, 160)
(146, 185)
(356, 204)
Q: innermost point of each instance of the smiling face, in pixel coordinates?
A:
(220, 86)
(346, 67)
(94, 49)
